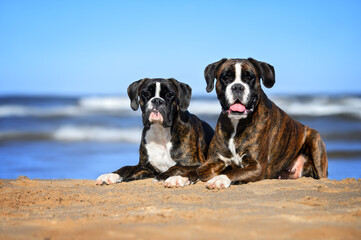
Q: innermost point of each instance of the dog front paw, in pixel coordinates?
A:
(176, 181)
(219, 182)
(109, 178)
(210, 169)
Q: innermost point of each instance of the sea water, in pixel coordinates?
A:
(82, 137)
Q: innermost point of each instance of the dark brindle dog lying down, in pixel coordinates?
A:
(173, 143)
(254, 139)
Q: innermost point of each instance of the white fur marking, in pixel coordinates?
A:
(238, 80)
(109, 178)
(220, 181)
(176, 181)
(157, 89)
(236, 158)
(158, 146)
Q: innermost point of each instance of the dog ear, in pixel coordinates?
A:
(210, 73)
(184, 94)
(266, 71)
(133, 93)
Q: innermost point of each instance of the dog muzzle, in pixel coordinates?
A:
(155, 117)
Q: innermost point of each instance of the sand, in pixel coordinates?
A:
(270, 209)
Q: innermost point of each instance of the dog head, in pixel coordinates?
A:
(238, 84)
(160, 99)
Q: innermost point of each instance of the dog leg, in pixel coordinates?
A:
(315, 151)
(131, 173)
(251, 173)
(210, 169)
(125, 174)
(174, 171)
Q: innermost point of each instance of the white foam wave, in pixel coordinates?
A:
(105, 103)
(321, 106)
(312, 106)
(22, 111)
(205, 107)
(12, 110)
(85, 106)
(93, 133)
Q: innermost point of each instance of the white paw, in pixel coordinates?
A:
(219, 182)
(176, 181)
(109, 178)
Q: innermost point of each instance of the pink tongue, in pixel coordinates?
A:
(237, 107)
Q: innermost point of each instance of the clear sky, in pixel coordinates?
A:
(100, 47)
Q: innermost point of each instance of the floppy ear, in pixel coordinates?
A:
(133, 92)
(210, 73)
(184, 94)
(266, 71)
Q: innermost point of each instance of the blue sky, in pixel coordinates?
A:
(100, 47)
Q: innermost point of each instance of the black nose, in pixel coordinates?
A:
(157, 101)
(237, 87)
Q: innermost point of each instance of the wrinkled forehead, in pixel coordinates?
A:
(159, 84)
(230, 66)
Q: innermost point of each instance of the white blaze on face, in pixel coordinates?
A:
(155, 116)
(157, 89)
(238, 80)
(156, 95)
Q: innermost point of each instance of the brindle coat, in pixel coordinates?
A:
(268, 141)
(190, 136)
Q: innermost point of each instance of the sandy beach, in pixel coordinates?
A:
(269, 209)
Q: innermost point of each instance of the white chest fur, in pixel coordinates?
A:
(158, 146)
(236, 158)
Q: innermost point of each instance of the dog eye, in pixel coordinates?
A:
(248, 76)
(251, 77)
(169, 95)
(146, 94)
(226, 78)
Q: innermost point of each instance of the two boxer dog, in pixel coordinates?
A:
(253, 139)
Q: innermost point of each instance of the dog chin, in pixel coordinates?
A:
(156, 117)
(237, 115)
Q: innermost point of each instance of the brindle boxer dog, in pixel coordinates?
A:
(254, 139)
(174, 142)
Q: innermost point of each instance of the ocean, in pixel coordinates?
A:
(55, 137)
